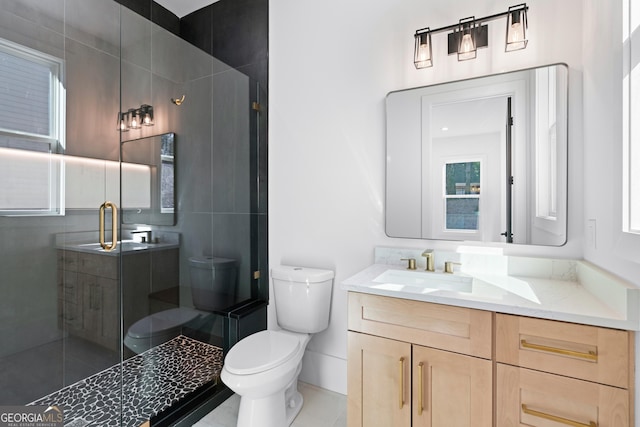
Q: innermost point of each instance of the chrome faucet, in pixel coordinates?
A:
(428, 254)
(146, 238)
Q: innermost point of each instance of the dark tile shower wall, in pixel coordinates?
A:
(155, 13)
(235, 32)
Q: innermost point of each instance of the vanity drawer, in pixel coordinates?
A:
(532, 398)
(458, 329)
(587, 352)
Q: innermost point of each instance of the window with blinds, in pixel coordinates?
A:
(31, 132)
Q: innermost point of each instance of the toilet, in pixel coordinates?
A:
(213, 286)
(263, 368)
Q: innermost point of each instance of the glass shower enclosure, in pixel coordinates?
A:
(129, 160)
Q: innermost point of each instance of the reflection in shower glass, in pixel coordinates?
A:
(167, 177)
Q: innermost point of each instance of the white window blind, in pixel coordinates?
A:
(25, 92)
(31, 131)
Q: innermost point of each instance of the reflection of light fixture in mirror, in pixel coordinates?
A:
(122, 122)
(147, 115)
(469, 34)
(467, 39)
(422, 53)
(134, 119)
(516, 28)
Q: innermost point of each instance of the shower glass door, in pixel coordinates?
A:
(59, 156)
(127, 156)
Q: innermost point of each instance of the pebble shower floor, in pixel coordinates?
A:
(146, 384)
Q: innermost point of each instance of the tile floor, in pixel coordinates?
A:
(38, 371)
(322, 408)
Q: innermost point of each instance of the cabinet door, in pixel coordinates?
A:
(378, 388)
(451, 389)
(531, 398)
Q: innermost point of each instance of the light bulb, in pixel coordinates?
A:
(466, 45)
(423, 52)
(515, 34)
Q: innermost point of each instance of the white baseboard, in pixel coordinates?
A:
(325, 371)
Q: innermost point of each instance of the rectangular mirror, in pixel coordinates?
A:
(148, 180)
(483, 159)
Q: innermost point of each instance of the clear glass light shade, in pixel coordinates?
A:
(122, 124)
(135, 119)
(516, 28)
(147, 115)
(467, 46)
(422, 57)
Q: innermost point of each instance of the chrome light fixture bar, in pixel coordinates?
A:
(469, 34)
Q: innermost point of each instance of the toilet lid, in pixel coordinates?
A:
(162, 322)
(260, 352)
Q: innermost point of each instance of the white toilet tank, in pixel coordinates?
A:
(302, 298)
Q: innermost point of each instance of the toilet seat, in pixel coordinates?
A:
(260, 352)
(164, 322)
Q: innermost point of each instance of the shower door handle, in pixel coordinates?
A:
(114, 226)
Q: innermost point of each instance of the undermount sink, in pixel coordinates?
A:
(431, 280)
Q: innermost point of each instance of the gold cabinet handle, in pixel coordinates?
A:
(420, 392)
(401, 389)
(591, 355)
(557, 419)
(114, 226)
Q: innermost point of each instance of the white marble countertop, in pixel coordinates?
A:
(600, 301)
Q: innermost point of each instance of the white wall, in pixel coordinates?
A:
(331, 65)
(603, 72)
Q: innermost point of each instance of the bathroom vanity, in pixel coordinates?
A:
(89, 285)
(508, 342)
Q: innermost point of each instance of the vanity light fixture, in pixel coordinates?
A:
(146, 113)
(422, 56)
(123, 122)
(467, 39)
(469, 34)
(135, 118)
(516, 28)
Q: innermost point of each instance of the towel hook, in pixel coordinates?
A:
(178, 101)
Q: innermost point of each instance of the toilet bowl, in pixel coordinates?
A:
(213, 284)
(263, 368)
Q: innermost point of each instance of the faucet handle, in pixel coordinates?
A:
(448, 266)
(411, 263)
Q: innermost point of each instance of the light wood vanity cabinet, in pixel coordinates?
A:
(557, 373)
(413, 363)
